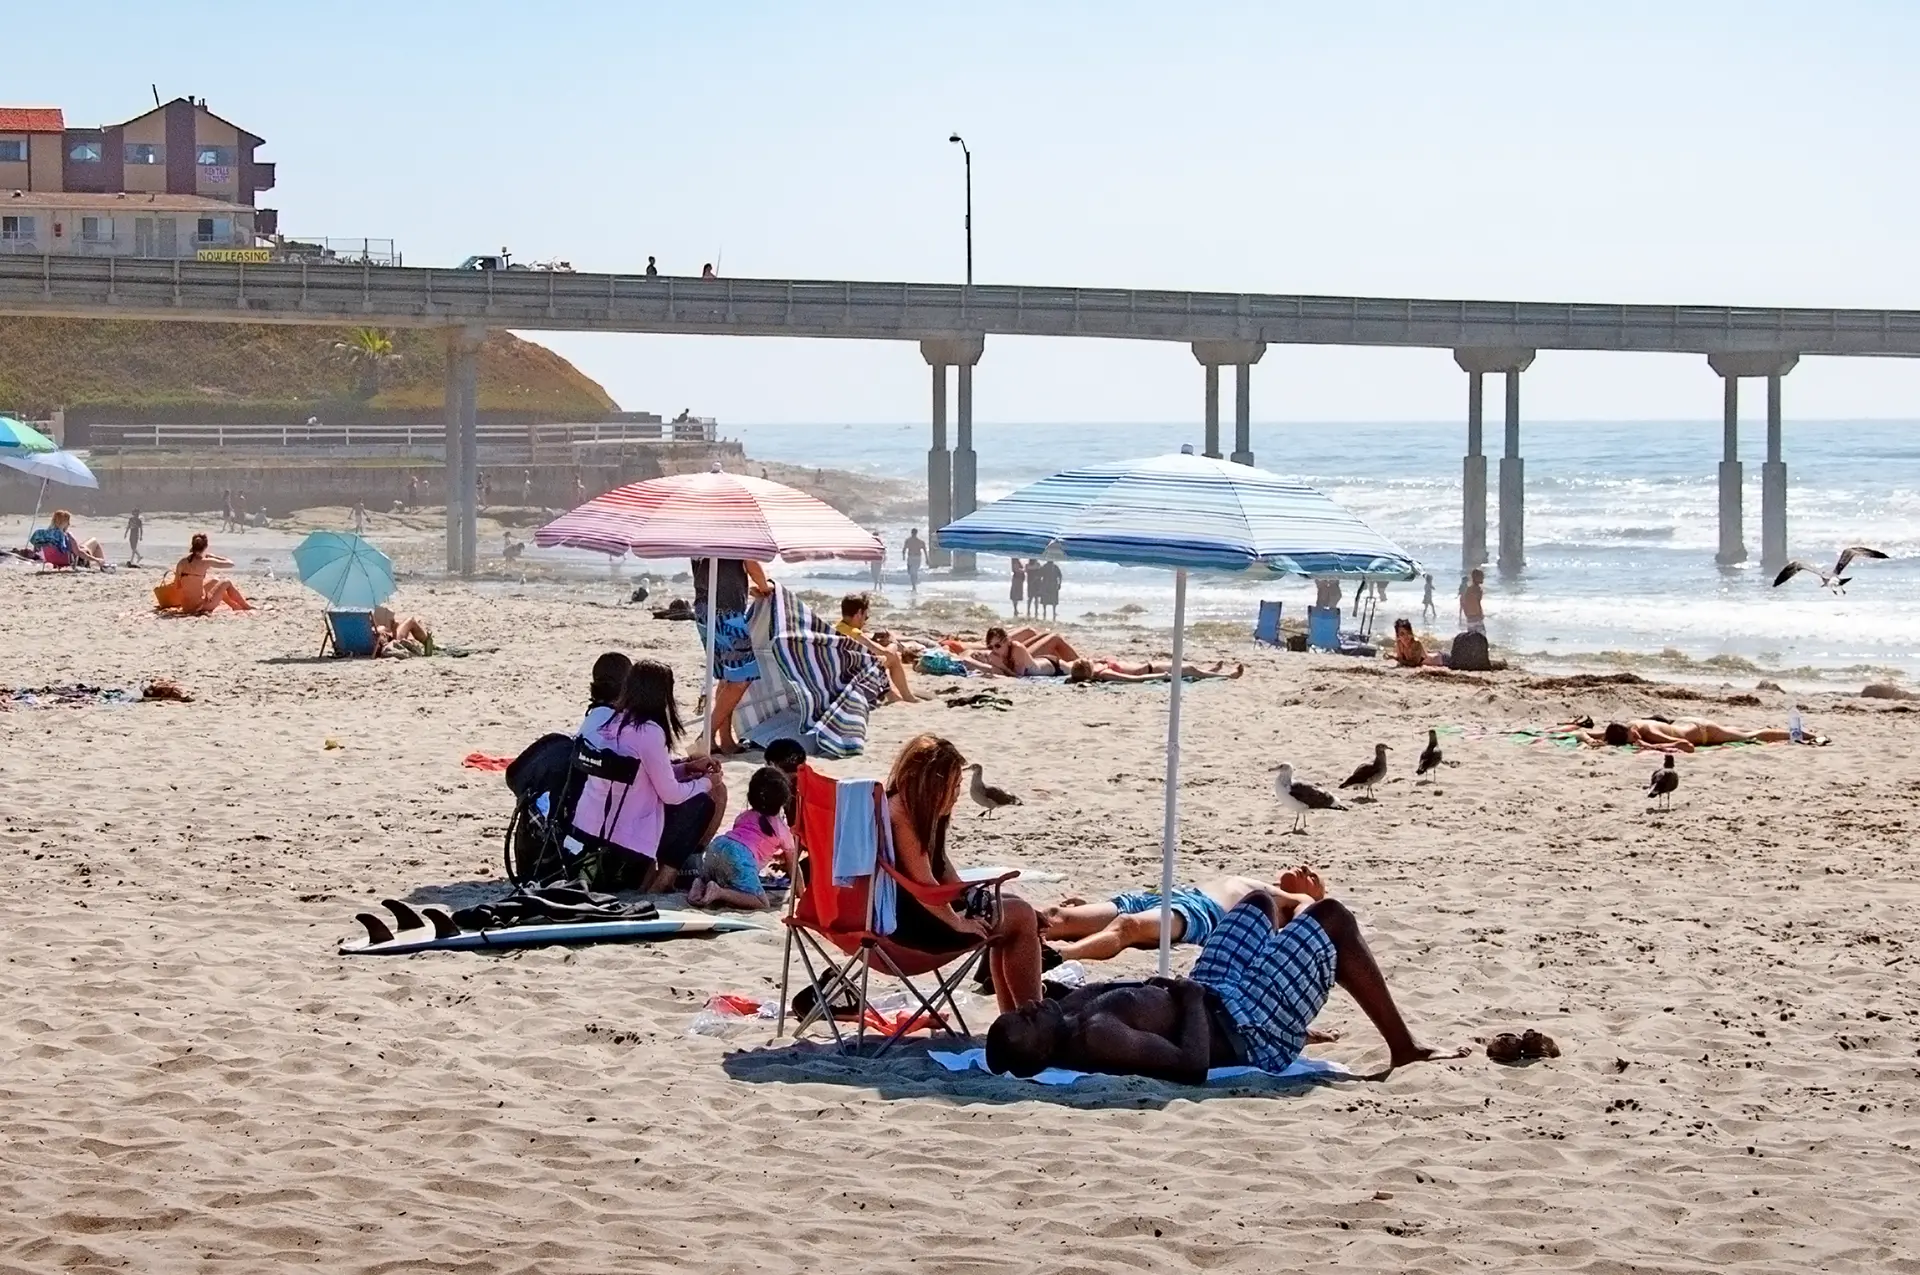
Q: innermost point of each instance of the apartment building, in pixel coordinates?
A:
(176, 181)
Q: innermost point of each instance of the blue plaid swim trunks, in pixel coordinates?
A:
(1273, 982)
(1194, 907)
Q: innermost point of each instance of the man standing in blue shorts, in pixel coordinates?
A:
(1261, 979)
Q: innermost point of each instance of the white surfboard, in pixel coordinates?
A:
(668, 925)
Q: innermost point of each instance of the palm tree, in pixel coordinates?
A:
(368, 350)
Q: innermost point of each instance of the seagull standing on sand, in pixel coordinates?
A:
(1297, 798)
(1369, 774)
(1836, 580)
(985, 795)
(1665, 780)
(1430, 755)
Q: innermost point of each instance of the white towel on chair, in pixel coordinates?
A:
(1301, 1068)
(858, 830)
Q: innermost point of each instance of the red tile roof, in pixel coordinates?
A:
(31, 119)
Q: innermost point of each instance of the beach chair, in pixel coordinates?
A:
(1266, 629)
(1323, 628)
(838, 921)
(349, 633)
(814, 685)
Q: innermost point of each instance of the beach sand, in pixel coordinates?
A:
(195, 1080)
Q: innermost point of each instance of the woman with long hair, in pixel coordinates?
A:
(644, 829)
(921, 793)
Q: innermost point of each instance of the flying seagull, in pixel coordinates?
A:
(1429, 756)
(986, 796)
(1665, 780)
(1837, 579)
(1297, 798)
(1370, 773)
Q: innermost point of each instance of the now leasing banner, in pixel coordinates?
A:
(234, 254)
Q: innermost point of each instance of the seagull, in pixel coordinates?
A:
(1429, 756)
(1296, 798)
(1665, 780)
(1837, 579)
(1369, 774)
(986, 796)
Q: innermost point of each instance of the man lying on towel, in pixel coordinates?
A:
(1262, 977)
(1081, 931)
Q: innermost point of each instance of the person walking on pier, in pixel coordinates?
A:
(653, 271)
(916, 551)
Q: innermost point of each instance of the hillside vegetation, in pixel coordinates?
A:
(48, 363)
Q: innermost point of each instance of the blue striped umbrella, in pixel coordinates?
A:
(1189, 513)
(17, 436)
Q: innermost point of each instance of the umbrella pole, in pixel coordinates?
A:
(713, 628)
(39, 500)
(1168, 830)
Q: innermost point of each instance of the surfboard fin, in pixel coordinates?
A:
(405, 915)
(442, 921)
(377, 931)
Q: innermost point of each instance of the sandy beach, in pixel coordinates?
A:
(195, 1081)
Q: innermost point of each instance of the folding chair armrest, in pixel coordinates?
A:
(943, 894)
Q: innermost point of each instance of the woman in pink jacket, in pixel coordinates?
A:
(648, 815)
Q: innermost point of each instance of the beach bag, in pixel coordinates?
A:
(541, 780)
(1470, 654)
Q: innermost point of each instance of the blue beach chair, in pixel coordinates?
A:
(349, 633)
(1267, 628)
(1323, 628)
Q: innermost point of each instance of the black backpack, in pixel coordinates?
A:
(533, 852)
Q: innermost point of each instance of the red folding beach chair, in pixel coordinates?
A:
(832, 928)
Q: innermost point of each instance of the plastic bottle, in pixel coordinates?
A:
(1794, 731)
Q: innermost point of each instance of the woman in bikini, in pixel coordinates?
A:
(192, 591)
(1082, 671)
(1028, 653)
(1681, 736)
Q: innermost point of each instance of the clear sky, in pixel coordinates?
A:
(1708, 152)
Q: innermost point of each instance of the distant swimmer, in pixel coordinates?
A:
(1837, 580)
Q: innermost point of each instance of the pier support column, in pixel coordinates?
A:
(463, 448)
(1773, 488)
(1243, 413)
(1241, 356)
(1476, 363)
(952, 481)
(1730, 367)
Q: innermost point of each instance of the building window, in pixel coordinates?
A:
(96, 229)
(84, 153)
(16, 229)
(214, 156)
(214, 230)
(13, 150)
(143, 153)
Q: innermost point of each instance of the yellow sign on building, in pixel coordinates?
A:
(261, 255)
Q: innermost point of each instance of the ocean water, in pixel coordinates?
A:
(1621, 532)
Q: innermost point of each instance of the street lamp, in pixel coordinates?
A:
(961, 142)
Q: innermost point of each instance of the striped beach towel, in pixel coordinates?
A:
(814, 685)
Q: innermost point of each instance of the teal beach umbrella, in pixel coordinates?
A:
(18, 436)
(344, 569)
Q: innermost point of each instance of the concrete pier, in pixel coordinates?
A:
(463, 449)
(1730, 367)
(952, 479)
(1476, 362)
(1241, 356)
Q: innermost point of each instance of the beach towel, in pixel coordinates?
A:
(1301, 1068)
(857, 839)
(814, 686)
(481, 761)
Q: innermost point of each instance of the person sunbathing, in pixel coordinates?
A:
(1081, 931)
(855, 609)
(1261, 979)
(192, 591)
(1683, 735)
(396, 635)
(59, 547)
(1082, 671)
(1410, 652)
(1028, 653)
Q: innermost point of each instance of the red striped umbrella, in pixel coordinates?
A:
(712, 515)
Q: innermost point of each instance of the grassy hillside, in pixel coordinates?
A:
(48, 363)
